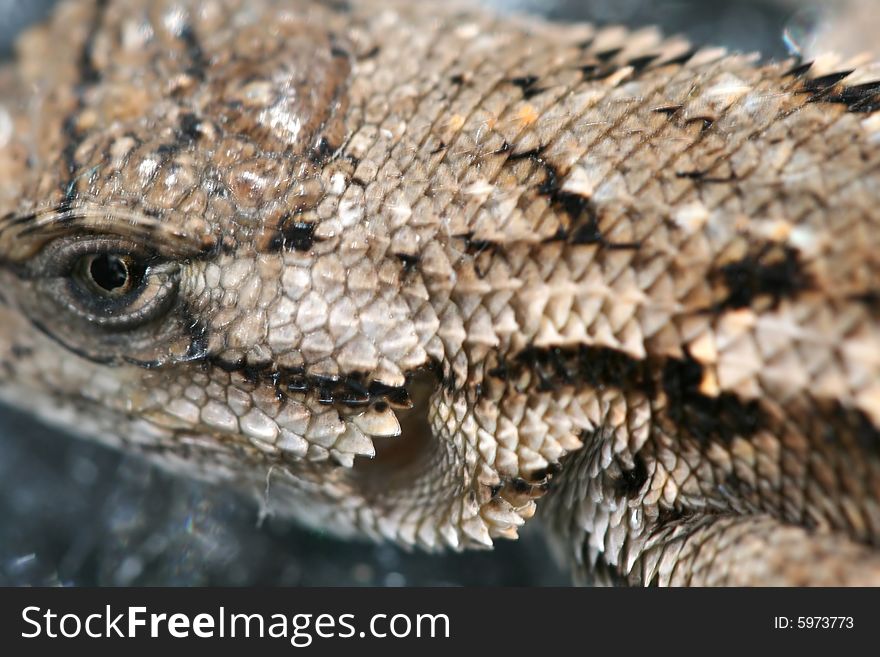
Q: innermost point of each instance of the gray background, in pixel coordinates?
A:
(73, 513)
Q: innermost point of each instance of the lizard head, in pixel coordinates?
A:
(191, 271)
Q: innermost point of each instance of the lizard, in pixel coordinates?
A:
(526, 269)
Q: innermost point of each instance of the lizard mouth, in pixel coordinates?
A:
(352, 392)
(385, 462)
(397, 454)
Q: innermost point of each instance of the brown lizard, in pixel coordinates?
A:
(590, 272)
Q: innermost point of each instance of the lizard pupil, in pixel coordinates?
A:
(109, 272)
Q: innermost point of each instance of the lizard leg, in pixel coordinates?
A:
(726, 550)
(627, 511)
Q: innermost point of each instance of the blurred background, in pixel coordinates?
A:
(73, 513)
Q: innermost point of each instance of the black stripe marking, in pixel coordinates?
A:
(640, 64)
(861, 98)
(372, 53)
(723, 418)
(608, 55)
(694, 413)
(88, 75)
(682, 59)
(596, 73)
(706, 122)
(354, 390)
(584, 225)
(870, 299)
(293, 233)
(410, 262)
(339, 51)
(799, 70)
(596, 367)
(584, 221)
(704, 177)
(669, 110)
(189, 127)
(476, 247)
(589, 71)
(198, 61)
(826, 82)
(584, 218)
(772, 271)
(188, 131)
(833, 423)
(528, 85)
(322, 151)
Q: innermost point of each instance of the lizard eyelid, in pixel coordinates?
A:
(24, 235)
(109, 282)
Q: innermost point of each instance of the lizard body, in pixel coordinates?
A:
(408, 299)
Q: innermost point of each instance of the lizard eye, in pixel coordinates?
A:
(108, 298)
(111, 283)
(109, 274)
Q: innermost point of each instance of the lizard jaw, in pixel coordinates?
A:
(406, 467)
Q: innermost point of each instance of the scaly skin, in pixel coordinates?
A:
(262, 242)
